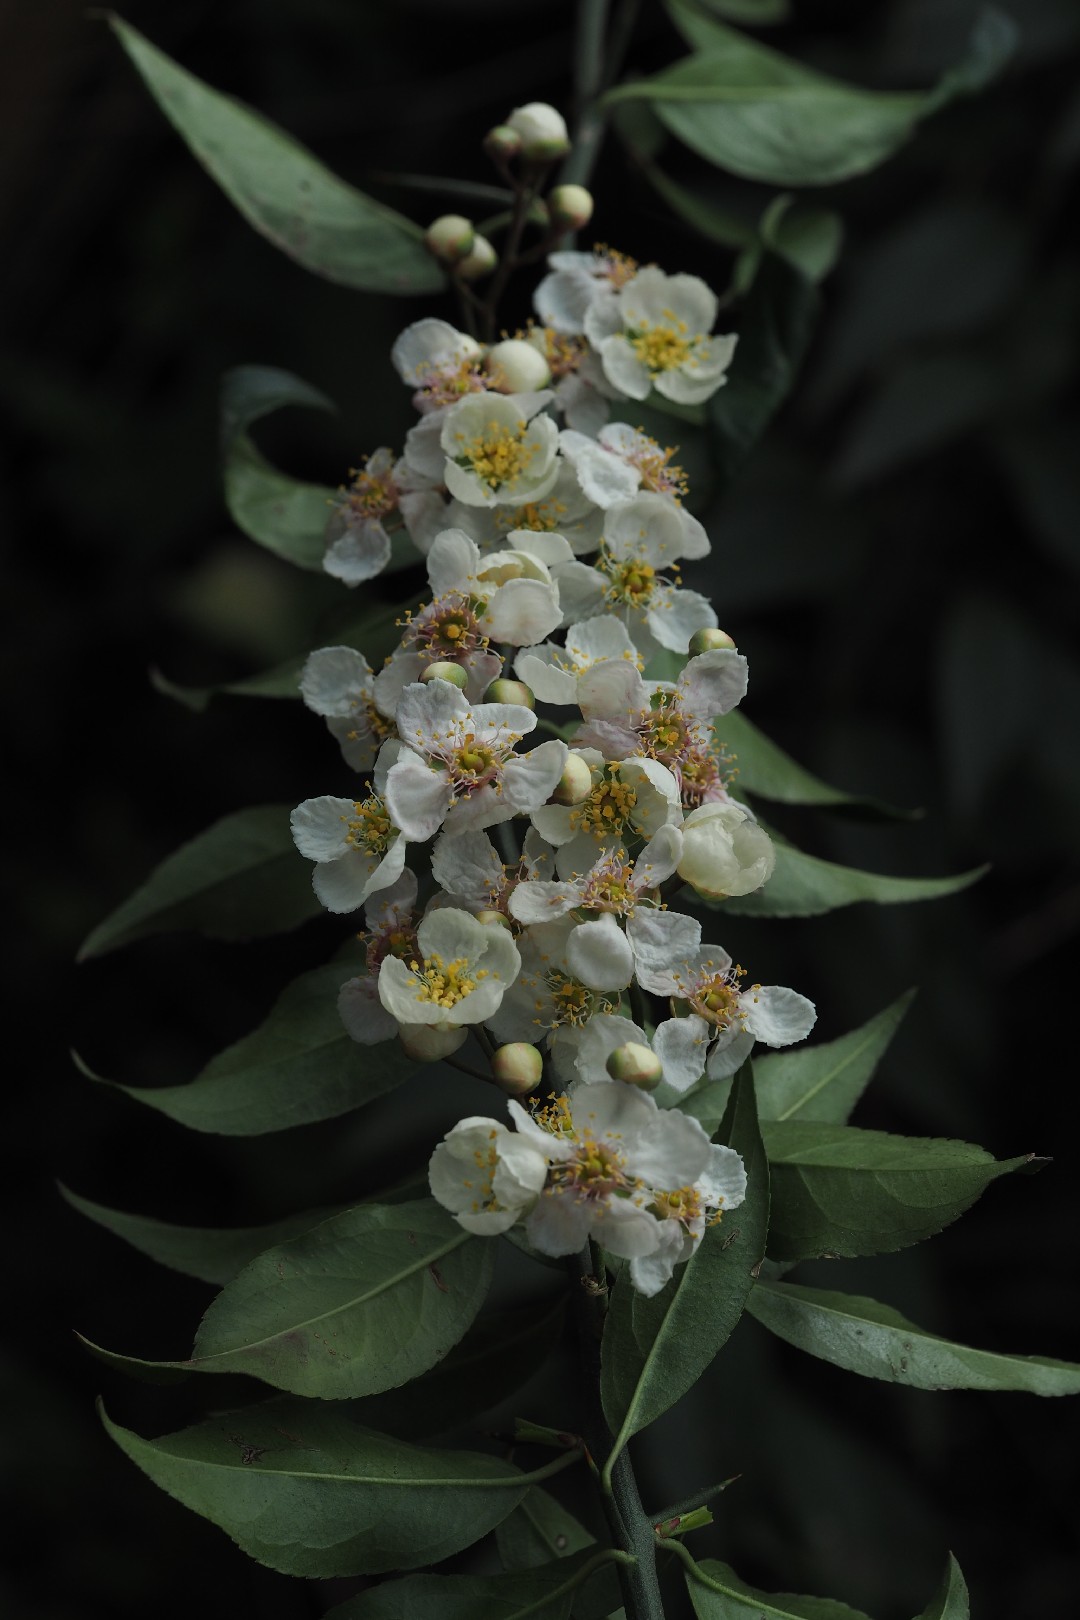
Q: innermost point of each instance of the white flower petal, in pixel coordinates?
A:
(417, 797)
(453, 559)
(320, 827)
(598, 953)
(530, 779)
(662, 941)
(776, 1015)
(674, 620)
(681, 1045)
(334, 679)
(358, 553)
(723, 1181)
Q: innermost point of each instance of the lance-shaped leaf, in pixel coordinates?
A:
(766, 771)
(655, 1349)
(240, 879)
(822, 1082)
(764, 116)
(950, 1602)
(544, 1593)
(754, 13)
(539, 1530)
(283, 190)
(878, 1342)
(303, 1489)
(299, 1066)
(804, 886)
(837, 1190)
(719, 1594)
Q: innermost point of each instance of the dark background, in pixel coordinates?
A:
(899, 561)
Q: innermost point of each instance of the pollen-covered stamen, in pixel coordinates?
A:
(498, 456)
(554, 1116)
(682, 1204)
(664, 345)
(370, 495)
(700, 776)
(665, 734)
(596, 1171)
(399, 942)
(562, 351)
(608, 887)
(658, 473)
(715, 995)
(446, 384)
(483, 1184)
(370, 828)
(444, 984)
(474, 762)
(619, 268)
(374, 723)
(447, 628)
(545, 516)
(608, 808)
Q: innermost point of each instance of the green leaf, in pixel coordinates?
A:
(951, 1600)
(280, 188)
(212, 1255)
(300, 1487)
(838, 1190)
(362, 1303)
(713, 223)
(240, 879)
(763, 116)
(808, 238)
(729, 1598)
(655, 1349)
(808, 1082)
(765, 770)
(805, 886)
(754, 13)
(878, 1342)
(544, 1593)
(299, 1066)
(538, 1530)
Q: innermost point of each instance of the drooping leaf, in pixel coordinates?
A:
(299, 1066)
(729, 1598)
(240, 879)
(838, 1190)
(765, 770)
(361, 1303)
(805, 886)
(764, 116)
(822, 1082)
(280, 188)
(878, 1342)
(655, 1349)
(754, 13)
(300, 1487)
(539, 1530)
(808, 238)
(543, 1593)
(950, 1602)
(212, 1255)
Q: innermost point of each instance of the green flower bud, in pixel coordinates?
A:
(502, 142)
(480, 262)
(510, 692)
(570, 207)
(542, 130)
(446, 672)
(517, 1068)
(450, 238)
(635, 1065)
(517, 367)
(709, 641)
(575, 783)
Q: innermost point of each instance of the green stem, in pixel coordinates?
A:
(638, 1006)
(589, 122)
(467, 1068)
(610, 1555)
(754, 1605)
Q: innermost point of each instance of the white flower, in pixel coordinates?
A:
(642, 537)
(621, 461)
(468, 868)
(565, 510)
(440, 363)
(654, 333)
(357, 543)
(576, 282)
(337, 682)
(501, 449)
(725, 852)
(459, 976)
(390, 932)
(546, 1000)
(458, 763)
(578, 383)
(486, 1175)
(516, 599)
(356, 845)
(684, 1213)
(552, 672)
(724, 1020)
(630, 798)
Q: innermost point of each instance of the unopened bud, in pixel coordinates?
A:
(635, 1065)
(450, 238)
(517, 367)
(490, 917)
(454, 673)
(502, 142)
(480, 262)
(575, 783)
(426, 1043)
(517, 1068)
(542, 129)
(510, 692)
(570, 207)
(703, 641)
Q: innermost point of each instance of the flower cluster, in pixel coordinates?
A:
(542, 923)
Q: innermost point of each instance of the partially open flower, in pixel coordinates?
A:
(459, 976)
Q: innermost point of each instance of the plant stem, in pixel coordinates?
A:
(589, 122)
(467, 1068)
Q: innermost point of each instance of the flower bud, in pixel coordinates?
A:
(450, 238)
(510, 692)
(703, 641)
(635, 1065)
(570, 207)
(446, 672)
(542, 129)
(502, 143)
(427, 1042)
(725, 852)
(575, 783)
(490, 917)
(517, 367)
(481, 261)
(517, 1068)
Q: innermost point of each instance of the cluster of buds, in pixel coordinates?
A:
(521, 892)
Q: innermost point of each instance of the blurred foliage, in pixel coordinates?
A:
(899, 560)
